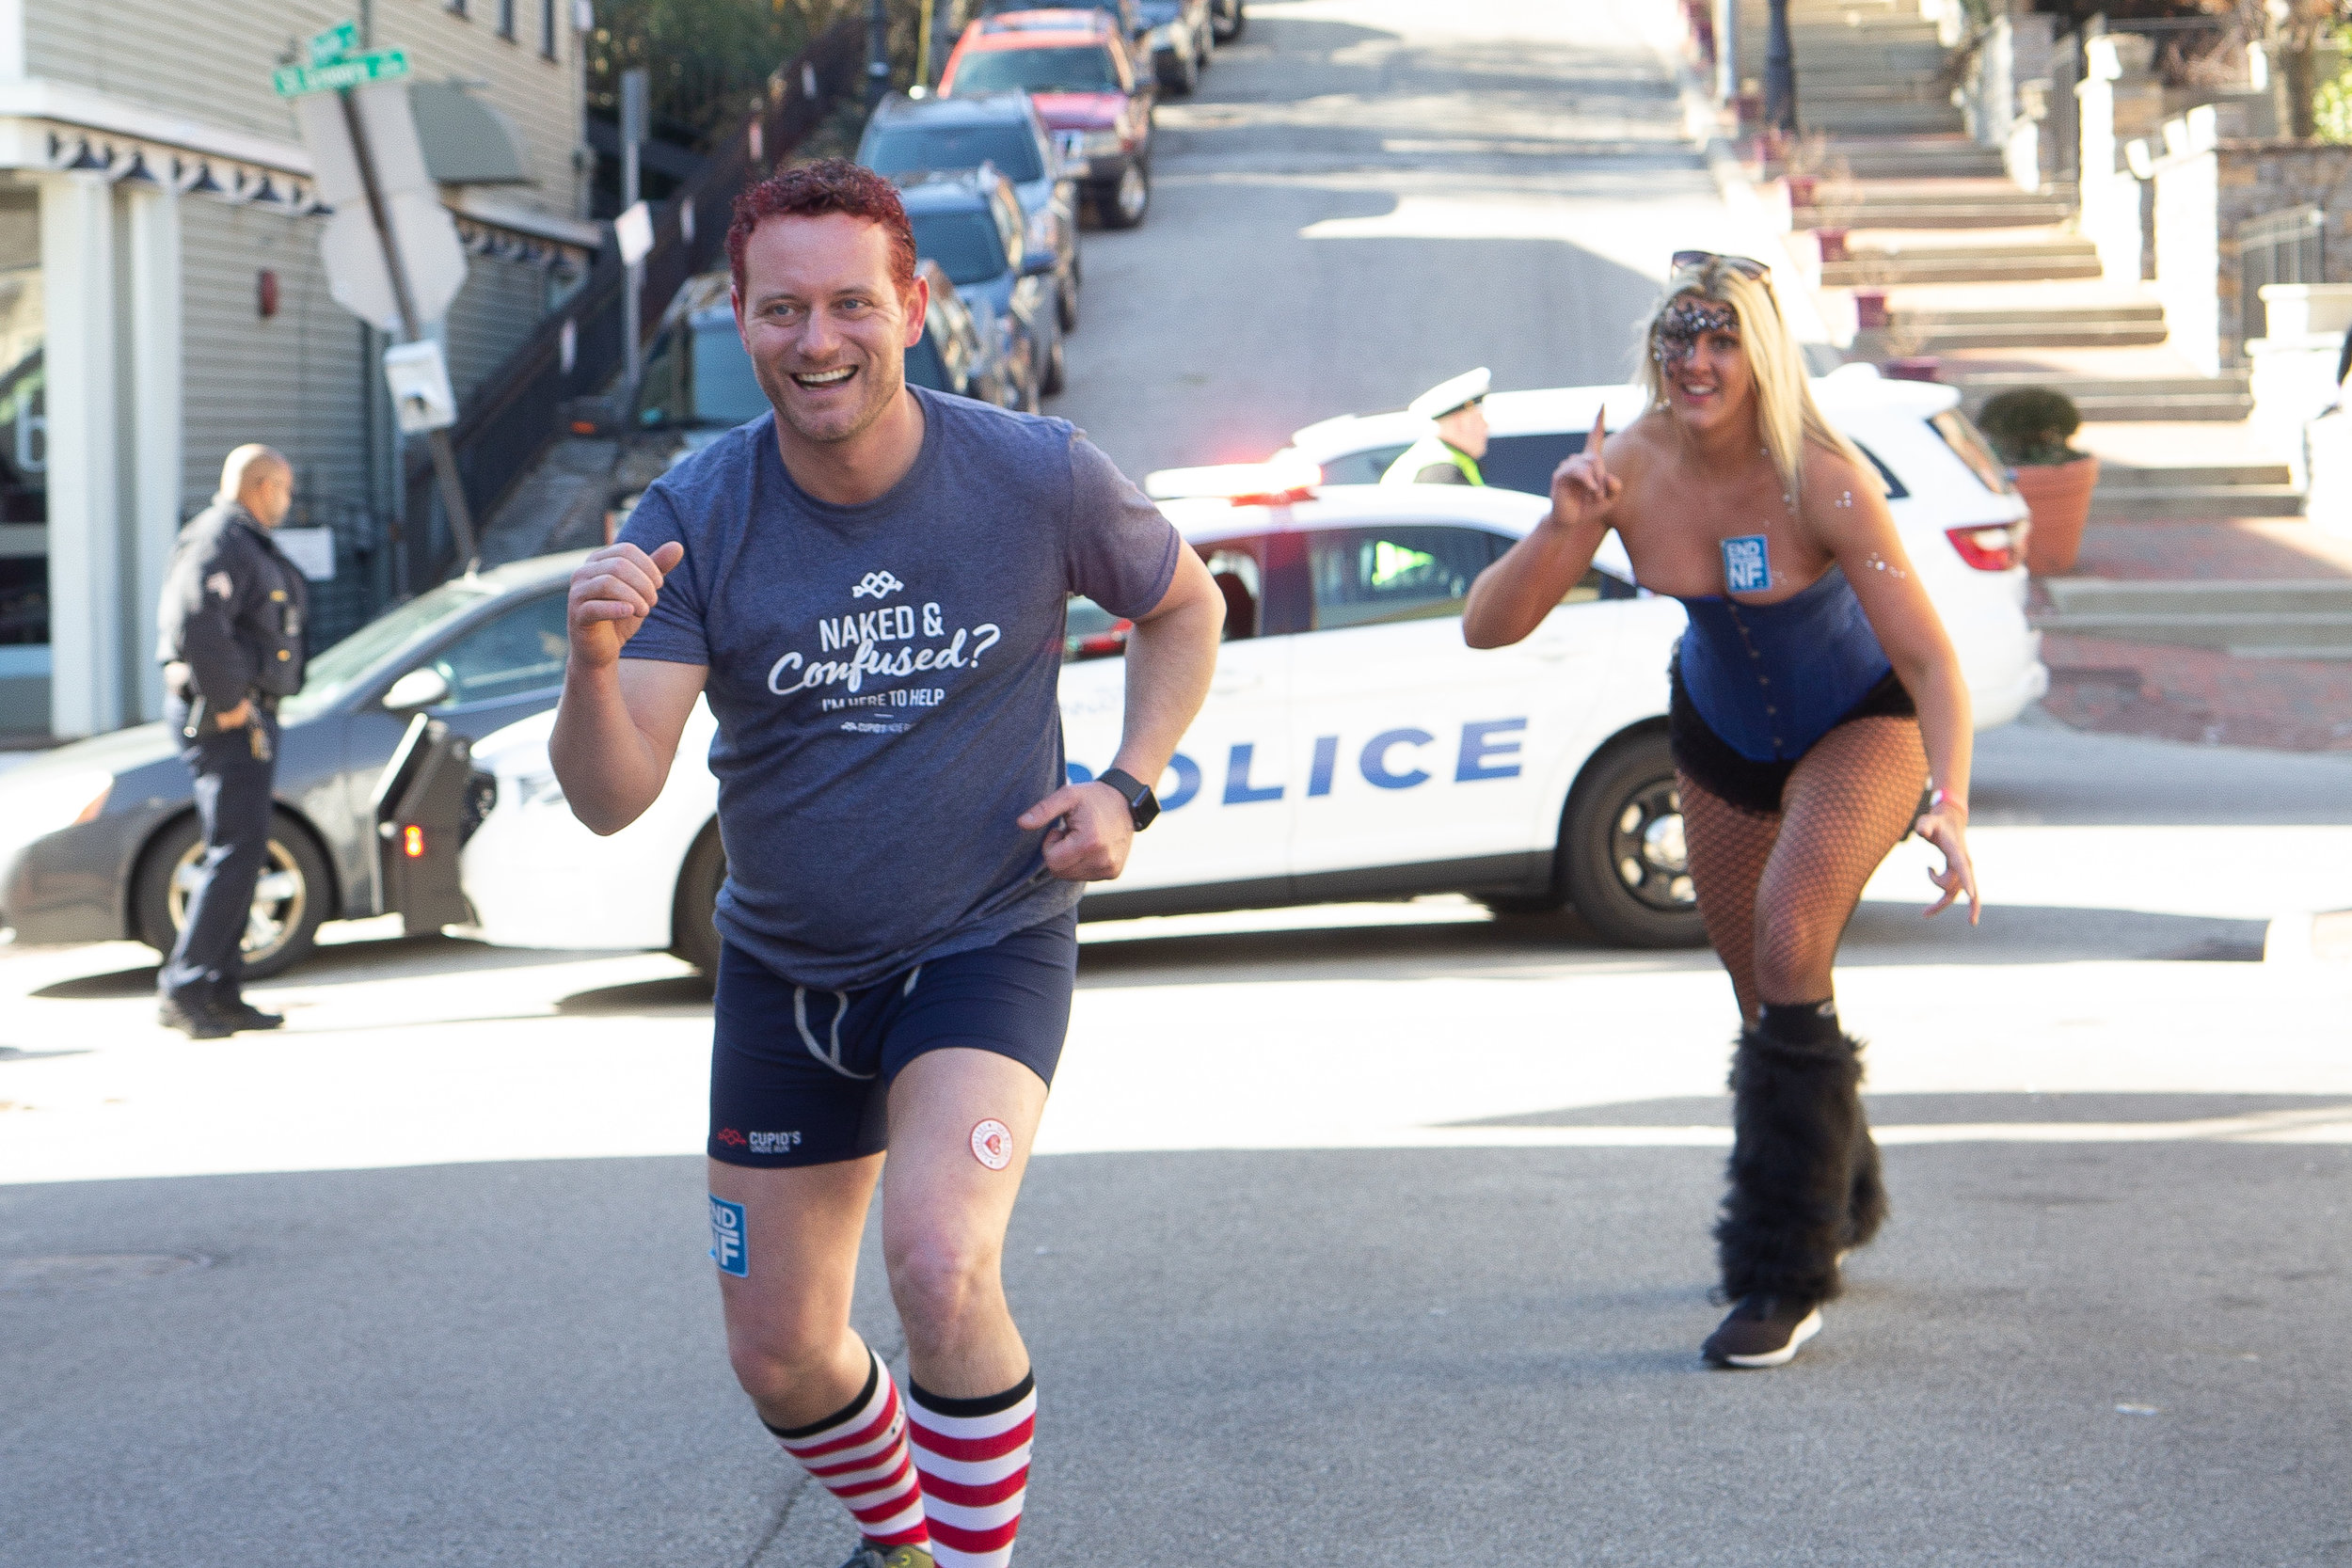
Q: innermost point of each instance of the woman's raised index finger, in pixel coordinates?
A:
(1601, 432)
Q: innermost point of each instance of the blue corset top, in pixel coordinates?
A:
(1772, 679)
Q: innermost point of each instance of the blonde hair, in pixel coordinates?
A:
(1785, 414)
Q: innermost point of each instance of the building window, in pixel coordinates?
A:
(24, 471)
(506, 19)
(547, 29)
(456, 7)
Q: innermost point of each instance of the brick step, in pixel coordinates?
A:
(1866, 269)
(1902, 116)
(1831, 211)
(2205, 407)
(1864, 163)
(1862, 81)
(2113, 597)
(1981, 384)
(2191, 502)
(2020, 315)
(2127, 476)
(2035, 248)
(1946, 340)
(2256, 636)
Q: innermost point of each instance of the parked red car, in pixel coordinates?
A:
(1089, 89)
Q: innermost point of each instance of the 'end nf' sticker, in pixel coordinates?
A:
(1746, 568)
(992, 1144)
(727, 1248)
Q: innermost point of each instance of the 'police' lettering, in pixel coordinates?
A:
(1238, 790)
(1471, 764)
(1375, 762)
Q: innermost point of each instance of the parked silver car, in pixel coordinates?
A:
(99, 839)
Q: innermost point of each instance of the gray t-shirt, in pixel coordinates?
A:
(885, 678)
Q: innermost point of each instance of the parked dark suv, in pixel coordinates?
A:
(908, 136)
(971, 225)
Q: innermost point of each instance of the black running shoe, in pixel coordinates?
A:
(192, 1018)
(1763, 1331)
(242, 1015)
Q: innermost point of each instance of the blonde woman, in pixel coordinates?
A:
(1815, 697)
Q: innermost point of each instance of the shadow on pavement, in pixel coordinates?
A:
(345, 963)
(1545, 945)
(1942, 1110)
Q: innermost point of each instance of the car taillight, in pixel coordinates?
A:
(1989, 549)
(1104, 645)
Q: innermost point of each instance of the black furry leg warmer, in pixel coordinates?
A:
(1804, 1178)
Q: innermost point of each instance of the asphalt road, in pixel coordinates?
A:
(1363, 1235)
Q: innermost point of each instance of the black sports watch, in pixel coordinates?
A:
(1142, 806)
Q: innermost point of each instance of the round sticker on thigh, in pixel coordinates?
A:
(992, 1144)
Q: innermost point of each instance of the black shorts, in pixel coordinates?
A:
(800, 1075)
(1743, 781)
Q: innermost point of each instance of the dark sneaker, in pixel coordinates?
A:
(242, 1015)
(1763, 1331)
(197, 1020)
(870, 1556)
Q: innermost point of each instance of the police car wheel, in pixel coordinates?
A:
(289, 899)
(1621, 849)
(1228, 26)
(693, 927)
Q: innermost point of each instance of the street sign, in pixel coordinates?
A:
(418, 377)
(633, 231)
(334, 44)
(423, 233)
(353, 71)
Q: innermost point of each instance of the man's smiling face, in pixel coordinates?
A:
(825, 323)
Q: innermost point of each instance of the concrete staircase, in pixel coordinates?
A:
(1987, 277)
(2276, 619)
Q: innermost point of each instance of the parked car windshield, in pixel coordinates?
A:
(966, 245)
(910, 147)
(333, 672)
(1079, 67)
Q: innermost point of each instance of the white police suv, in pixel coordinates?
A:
(1352, 746)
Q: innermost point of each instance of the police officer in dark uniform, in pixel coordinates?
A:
(232, 622)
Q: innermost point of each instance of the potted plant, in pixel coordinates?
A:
(2030, 427)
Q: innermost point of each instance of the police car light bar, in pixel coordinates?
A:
(1242, 483)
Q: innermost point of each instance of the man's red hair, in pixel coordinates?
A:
(814, 190)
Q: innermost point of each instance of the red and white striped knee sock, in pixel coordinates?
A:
(859, 1454)
(974, 1458)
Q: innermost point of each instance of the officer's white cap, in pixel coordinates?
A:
(1447, 396)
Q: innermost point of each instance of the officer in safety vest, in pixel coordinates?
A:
(232, 645)
(1448, 453)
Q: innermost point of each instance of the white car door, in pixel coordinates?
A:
(1226, 800)
(1419, 749)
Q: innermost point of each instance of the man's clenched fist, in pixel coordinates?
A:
(612, 592)
(1090, 840)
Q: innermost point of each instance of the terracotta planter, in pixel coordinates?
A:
(2058, 495)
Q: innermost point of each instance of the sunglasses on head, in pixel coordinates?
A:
(1746, 266)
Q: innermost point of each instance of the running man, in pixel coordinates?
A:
(868, 587)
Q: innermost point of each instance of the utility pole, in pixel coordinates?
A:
(634, 107)
(444, 456)
(877, 51)
(1780, 71)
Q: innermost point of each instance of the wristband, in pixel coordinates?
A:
(1941, 799)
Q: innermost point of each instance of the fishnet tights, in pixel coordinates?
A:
(1775, 891)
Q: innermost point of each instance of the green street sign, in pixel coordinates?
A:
(354, 71)
(334, 44)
